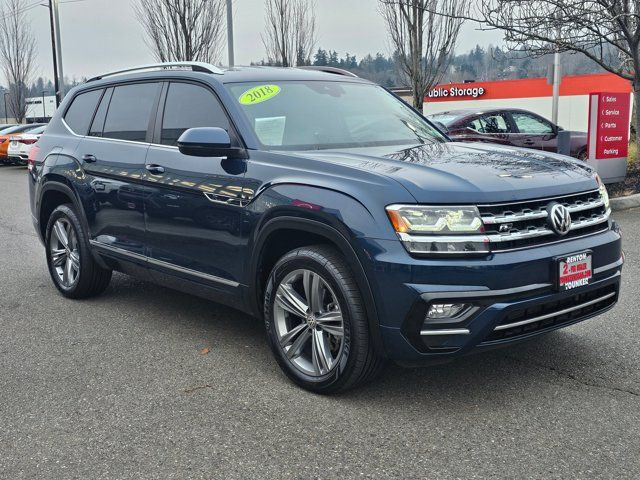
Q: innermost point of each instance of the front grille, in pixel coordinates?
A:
(568, 310)
(524, 224)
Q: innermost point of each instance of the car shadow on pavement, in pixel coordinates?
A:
(490, 376)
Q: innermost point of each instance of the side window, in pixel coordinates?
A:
(81, 111)
(98, 121)
(528, 123)
(130, 111)
(190, 106)
(490, 123)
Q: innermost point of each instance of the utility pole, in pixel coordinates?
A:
(6, 113)
(230, 32)
(56, 20)
(44, 108)
(557, 78)
(55, 54)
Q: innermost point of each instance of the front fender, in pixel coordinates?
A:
(334, 216)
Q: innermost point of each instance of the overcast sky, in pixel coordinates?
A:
(102, 35)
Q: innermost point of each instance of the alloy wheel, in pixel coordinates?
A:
(64, 253)
(309, 322)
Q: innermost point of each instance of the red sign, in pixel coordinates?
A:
(609, 125)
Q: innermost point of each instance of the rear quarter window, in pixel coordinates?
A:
(80, 113)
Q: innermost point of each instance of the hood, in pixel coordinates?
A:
(469, 172)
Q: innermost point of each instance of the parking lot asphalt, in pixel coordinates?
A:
(121, 386)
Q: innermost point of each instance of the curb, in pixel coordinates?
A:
(625, 203)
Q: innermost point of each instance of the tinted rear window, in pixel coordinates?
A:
(130, 111)
(81, 111)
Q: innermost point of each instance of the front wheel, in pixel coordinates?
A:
(316, 323)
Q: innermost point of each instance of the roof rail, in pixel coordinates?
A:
(195, 66)
(334, 70)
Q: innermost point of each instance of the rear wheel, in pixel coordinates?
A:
(73, 270)
(316, 323)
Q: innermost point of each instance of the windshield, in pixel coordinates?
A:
(312, 115)
(444, 118)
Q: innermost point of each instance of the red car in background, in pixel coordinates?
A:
(514, 127)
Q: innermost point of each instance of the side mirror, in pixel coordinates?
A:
(208, 142)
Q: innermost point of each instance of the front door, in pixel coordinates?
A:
(194, 205)
(114, 155)
(489, 127)
(535, 132)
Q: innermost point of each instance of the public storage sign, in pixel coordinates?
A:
(456, 92)
(608, 137)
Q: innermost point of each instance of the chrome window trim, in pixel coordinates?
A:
(168, 265)
(106, 139)
(553, 314)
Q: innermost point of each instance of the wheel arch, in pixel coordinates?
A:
(52, 195)
(307, 232)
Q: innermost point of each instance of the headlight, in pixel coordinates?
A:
(603, 192)
(439, 230)
(435, 220)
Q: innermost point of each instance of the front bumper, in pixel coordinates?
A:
(513, 294)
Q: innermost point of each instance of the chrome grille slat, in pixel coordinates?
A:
(540, 213)
(554, 314)
(518, 225)
(506, 237)
(523, 224)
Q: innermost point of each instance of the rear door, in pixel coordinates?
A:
(195, 205)
(113, 156)
(533, 131)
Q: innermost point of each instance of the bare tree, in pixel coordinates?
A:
(183, 30)
(423, 34)
(290, 35)
(606, 31)
(17, 54)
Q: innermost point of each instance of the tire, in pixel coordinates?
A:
(329, 350)
(84, 278)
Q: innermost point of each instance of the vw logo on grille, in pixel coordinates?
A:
(559, 218)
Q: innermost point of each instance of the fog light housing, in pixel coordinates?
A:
(445, 310)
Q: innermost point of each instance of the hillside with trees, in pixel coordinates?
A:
(481, 63)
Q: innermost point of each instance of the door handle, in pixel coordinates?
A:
(88, 158)
(155, 169)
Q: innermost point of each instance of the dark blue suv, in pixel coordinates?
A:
(324, 205)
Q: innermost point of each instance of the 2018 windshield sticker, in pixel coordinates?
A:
(259, 94)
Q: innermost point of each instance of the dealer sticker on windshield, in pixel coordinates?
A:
(259, 94)
(575, 271)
